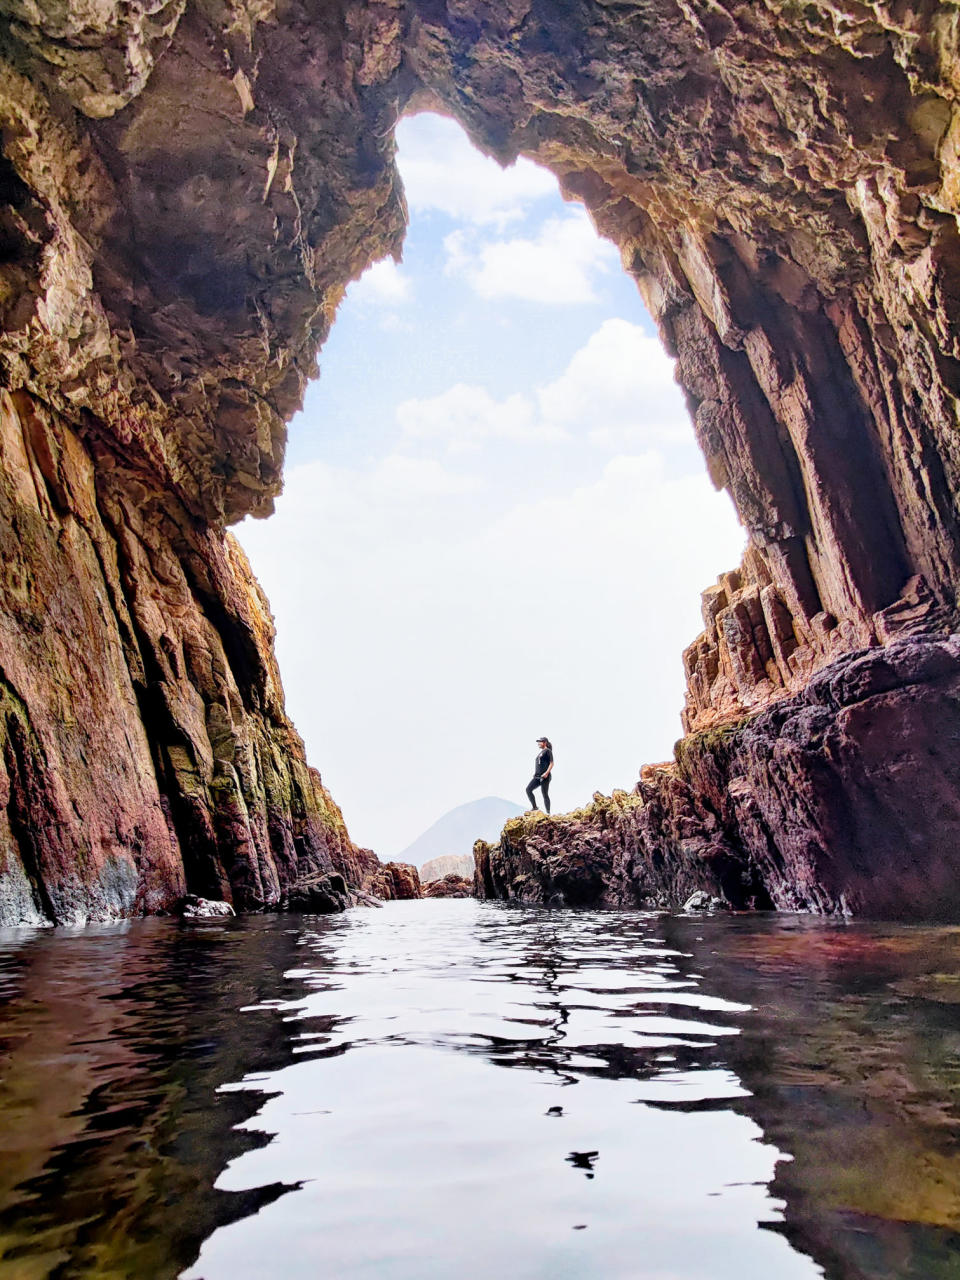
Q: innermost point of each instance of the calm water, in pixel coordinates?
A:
(451, 1089)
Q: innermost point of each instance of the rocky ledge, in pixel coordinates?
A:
(842, 799)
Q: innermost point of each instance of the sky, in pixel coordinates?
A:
(495, 523)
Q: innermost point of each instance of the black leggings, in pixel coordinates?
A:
(544, 785)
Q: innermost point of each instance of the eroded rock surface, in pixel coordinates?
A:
(399, 880)
(145, 749)
(184, 191)
(845, 798)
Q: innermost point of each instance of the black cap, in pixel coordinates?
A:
(543, 738)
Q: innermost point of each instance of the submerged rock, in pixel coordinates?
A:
(360, 899)
(323, 894)
(193, 908)
(700, 901)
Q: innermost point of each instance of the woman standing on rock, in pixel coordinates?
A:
(542, 769)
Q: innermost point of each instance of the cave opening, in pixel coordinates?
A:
(495, 514)
(176, 247)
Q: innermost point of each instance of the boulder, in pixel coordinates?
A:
(451, 886)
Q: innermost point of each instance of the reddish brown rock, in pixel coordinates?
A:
(184, 193)
(652, 848)
(449, 886)
(145, 749)
(393, 880)
(842, 799)
(758, 646)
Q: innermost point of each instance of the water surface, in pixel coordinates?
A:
(447, 1088)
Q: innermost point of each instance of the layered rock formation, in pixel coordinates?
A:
(399, 880)
(185, 190)
(145, 750)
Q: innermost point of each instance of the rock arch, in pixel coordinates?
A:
(185, 190)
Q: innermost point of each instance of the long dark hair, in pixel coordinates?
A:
(548, 742)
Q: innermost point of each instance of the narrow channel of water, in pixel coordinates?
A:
(450, 1089)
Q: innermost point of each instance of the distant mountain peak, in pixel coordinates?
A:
(453, 835)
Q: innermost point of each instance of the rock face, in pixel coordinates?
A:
(449, 886)
(184, 191)
(145, 750)
(845, 798)
(437, 868)
(394, 880)
(365, 873)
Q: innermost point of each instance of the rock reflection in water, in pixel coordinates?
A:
(449, 1088)
(420, 1157)
(113, 1041)
(851, 1055)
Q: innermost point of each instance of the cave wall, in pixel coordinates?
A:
(781, 179)
(145, 749)
(186, 187)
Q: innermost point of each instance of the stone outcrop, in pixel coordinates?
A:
(365, 875)
(652, 848)
(756, 648)
(449, 886)
(399, 880)
(451, 865)
(842, 799)
(184, 191)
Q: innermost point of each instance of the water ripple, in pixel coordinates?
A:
(452, 1089)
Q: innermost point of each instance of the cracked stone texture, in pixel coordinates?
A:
(145, 750)
(185, 188)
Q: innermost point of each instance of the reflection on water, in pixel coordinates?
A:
(852, 1057)
(447, 1088)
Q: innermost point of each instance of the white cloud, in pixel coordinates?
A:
(383, 284)
(619, 388)
(634, 519)
(443, 172)
(466, 417)
(559, 265)
(337, 511)
(617, 392)
(408, 480)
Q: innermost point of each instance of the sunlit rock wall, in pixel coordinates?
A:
(185, 189)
